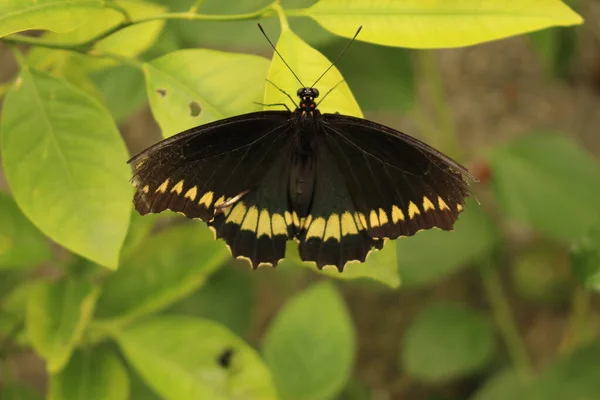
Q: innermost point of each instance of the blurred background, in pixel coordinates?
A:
(507, 294)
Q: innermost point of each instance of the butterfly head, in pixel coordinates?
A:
(307, 97)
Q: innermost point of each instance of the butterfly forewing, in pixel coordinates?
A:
(398, 185)
(204, 167)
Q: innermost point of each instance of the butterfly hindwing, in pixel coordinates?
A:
(199, 169)
(398, 184)
(333, 233)
(258, 225)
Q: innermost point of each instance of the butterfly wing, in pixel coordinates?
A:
(201, 168)
(398, 184)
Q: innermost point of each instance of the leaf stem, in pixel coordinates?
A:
(431, 76)
(504, 319)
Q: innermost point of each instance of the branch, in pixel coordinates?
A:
(86, 46)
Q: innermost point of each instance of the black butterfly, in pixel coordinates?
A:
(337, 184)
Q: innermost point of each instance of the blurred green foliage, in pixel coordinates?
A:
(178, 319)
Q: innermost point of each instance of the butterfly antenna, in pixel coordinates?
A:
(283, 91)
(279, 54)
(339, 56)
(329, 91)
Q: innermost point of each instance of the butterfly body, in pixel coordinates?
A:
(339, 185)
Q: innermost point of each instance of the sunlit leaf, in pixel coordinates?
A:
(446, 341)
(91, 374)
(549, 182)
(64, 160)
(21, 244)
(54, 15)
(57, 315)
(310, 345)
(438, 23)
(191, 87)
(218, 366)
(164, 269)
(308, 64)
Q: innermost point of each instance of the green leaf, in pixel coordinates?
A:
(140, 227)
(54, 15)
(390, 85)
(585, 259)
(431, 255)
(21, 244)
(127, 42)
(217, 83)
(504, 385)
(547, 181)
(447, 341)
(227, 297)
(61, 148)
(57, 315)
(575, 377)
(380, 266)
(310, 345)
(164, 269)
(15, 391)
(436, 24)
(308, 64)
(139, 389)
(91, 374)
(160, 349)
(122, 89)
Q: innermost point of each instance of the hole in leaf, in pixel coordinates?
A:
(195, 109)
(224, 359)
(161, 92)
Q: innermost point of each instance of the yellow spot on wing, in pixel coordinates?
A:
(220, 201)
(307, 221)
(383, 219)
(206, 199)
(279, 225)
(413, 210)
(146, 189)
(237, 214)
(442, 204)
(178, 188)
(427, 204)
(459, 207)
(191, 194)
(348, 224)
(251, 220)
(316, 229)
(397, 214)
(296, 220)
(163, 188)
(332, 231)
(288, 218)
(264, 224)
(373, 219)
(362, 219)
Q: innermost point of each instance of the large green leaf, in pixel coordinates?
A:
(447, 341)
(65, 163)
(549, 182)
(57, 315)
(91, 374)
(227, 298)
(54, 15)
(191, 87)
(185, 358)
(438, 23)
(310, 345)
(122, 90)
(431, 255)
(127, 42)
(21, 244)
(308, 64)
(380, 266)
(164, 269)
